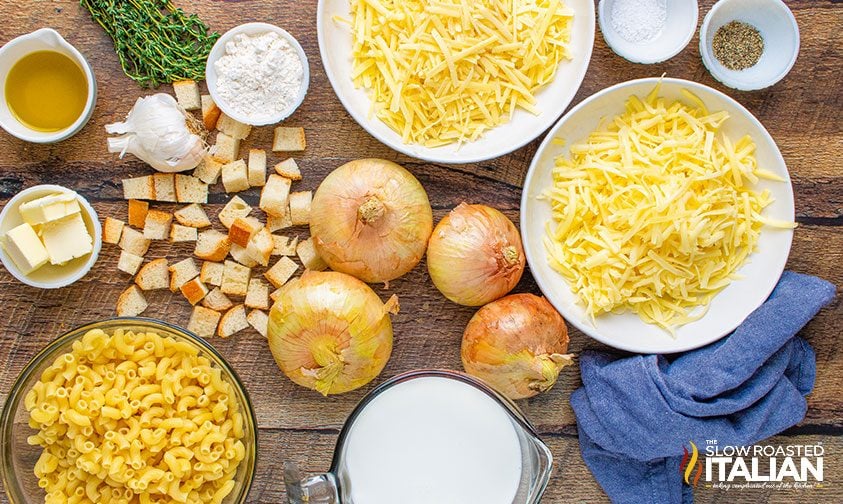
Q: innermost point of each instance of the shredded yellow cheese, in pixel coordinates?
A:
(654, 211)
(446, 71)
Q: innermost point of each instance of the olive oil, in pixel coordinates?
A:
(46, 91)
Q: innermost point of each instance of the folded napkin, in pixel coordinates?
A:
(636, 414)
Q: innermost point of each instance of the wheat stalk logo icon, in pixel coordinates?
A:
(690, 462)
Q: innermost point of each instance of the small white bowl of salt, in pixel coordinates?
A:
(648, 31)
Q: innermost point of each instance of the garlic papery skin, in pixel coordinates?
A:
(156, 131)
(330, 332)
(517, 344)
(371, 218)
(475, 255)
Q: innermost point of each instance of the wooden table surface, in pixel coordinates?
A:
(802, 113)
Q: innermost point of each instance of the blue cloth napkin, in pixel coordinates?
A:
(635, 414)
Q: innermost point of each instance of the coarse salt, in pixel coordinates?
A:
(639, 21)
(259, 76)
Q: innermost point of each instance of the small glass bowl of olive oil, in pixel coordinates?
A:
(48, 88)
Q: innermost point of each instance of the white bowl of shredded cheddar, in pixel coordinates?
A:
(455, 81)
(128, 410)
(657, 214)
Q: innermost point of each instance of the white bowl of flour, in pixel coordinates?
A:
(257, 74)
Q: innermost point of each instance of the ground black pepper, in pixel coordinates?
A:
(737, 45)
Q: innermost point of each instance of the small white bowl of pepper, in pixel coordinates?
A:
(749, 44)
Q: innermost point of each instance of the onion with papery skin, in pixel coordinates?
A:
(475, 255)
(517, 344)
(371, 218)
(330, 332)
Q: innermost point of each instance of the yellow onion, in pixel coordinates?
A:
(517, 344)
(371, 218)
(330, 332)
(475, 255)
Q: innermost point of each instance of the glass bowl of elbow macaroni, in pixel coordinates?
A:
(128, 410)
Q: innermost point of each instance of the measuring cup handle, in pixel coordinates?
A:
(319, 489)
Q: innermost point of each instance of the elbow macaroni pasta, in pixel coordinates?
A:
(135, 418)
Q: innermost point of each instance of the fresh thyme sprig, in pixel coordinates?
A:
(155, 41)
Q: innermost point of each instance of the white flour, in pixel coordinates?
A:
(639, 20)
(259, 76)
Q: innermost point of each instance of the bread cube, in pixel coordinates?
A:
(259, 321)
(274, 195)
(288, 169)
(235, 279)
(241, 255)
(153, 275)
(234, 209)
(284, 245)
(203, 322)
(226, 149)
(129, 262)
(165, 187)
(208, 170)
(282, 271)
(233, 322)
(157, 225)
(131, 302)
(300, 207)
(194, 291)
(190, 189)
(242, 229)
(257, 295)
(139, 188)
(276, 223)
(112, 229)
(137, 213)
(233, 128)
(210, 112)
(187, 94)
(182, 272)
(192, 215)
(211, 245)
(235, 176)
(211, 273)
(133, 241)
(260, 246)
(288, 139)
(309, 257)
(179, 233)
(216, 300)
(257, 167)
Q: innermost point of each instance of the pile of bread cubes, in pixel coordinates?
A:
(219, 282)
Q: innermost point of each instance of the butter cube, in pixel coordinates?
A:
(67, 239)
(25, 248)
(49, 208)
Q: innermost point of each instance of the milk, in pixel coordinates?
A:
(431, 440)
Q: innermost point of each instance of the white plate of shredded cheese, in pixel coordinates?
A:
(744, 292)
(335, 24)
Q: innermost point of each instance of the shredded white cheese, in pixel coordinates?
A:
(654, 212)
(446, 71)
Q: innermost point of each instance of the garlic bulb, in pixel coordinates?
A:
(517, 344)
(475, 255)
(371, 218)
(158, 131)
(330, 332)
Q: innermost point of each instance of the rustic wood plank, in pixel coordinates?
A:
(570, 481)
(427, 334)
(801, 113)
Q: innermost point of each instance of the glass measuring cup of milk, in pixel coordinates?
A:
(431, 437)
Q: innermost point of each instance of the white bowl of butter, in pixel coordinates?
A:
(50, 236)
